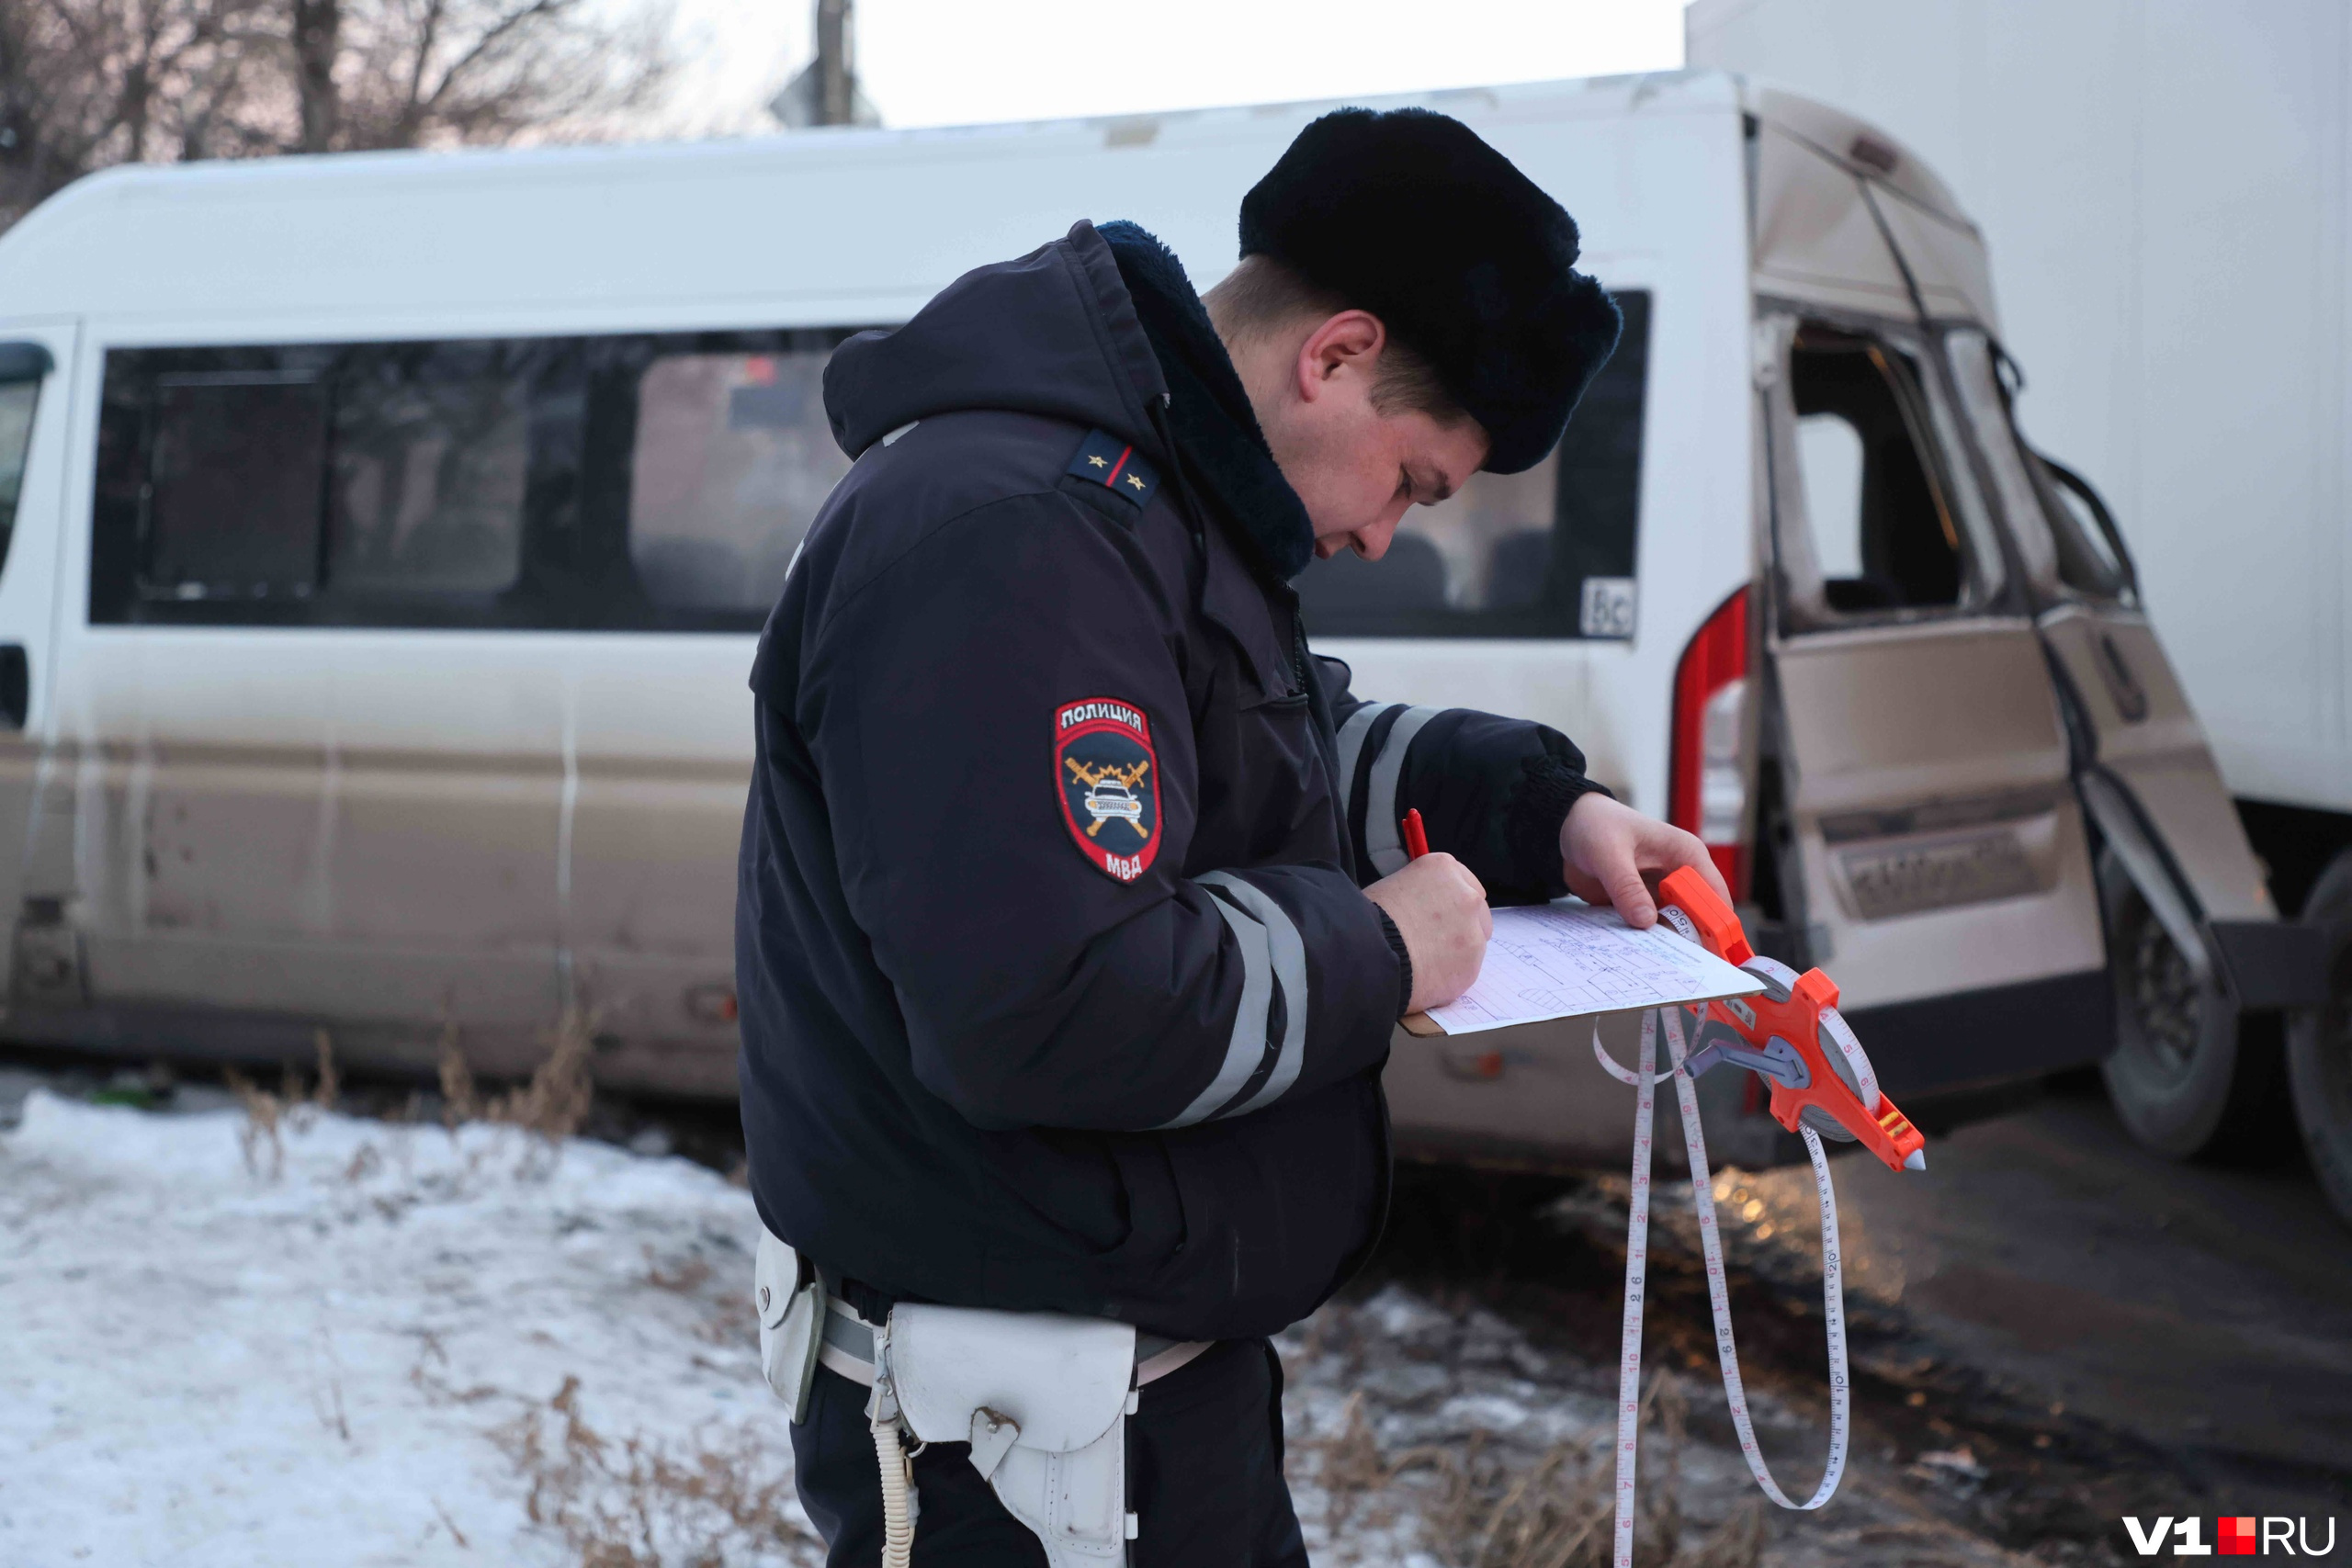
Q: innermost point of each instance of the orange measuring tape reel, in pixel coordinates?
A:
(1790, 1034)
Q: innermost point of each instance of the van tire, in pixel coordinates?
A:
(2319, 1043)
(2176, 1050)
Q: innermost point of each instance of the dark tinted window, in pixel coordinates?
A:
(639, 482)
(432, 453)
(244, 447)
(1546, 553)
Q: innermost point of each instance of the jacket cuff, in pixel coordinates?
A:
(1547, 789)
(1404, 962)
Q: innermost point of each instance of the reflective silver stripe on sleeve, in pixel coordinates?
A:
(1382, 835)
(1290, 971)
(1248, 1046)
(1352, 735)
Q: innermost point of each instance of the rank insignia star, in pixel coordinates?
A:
(1112, 463)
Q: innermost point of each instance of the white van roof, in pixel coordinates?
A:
(689, 232)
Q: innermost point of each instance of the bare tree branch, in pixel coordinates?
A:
(84, 83)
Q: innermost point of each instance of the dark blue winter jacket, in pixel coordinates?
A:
(1059, 988)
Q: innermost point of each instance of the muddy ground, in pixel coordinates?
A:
(2050, 1330)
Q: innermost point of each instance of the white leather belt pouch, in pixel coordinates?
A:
(791, 1304)
(1042, 1400)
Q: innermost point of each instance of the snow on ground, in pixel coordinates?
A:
(343, 1347)
(335, 1343)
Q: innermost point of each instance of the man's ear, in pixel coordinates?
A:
(1346, 345)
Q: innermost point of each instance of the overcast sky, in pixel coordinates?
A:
(961, 62)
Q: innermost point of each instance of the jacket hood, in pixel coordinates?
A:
(1053, 333)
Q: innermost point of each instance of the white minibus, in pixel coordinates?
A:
(388, 535)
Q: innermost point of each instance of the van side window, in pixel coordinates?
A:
(734, 458)
(431, 449)
(1548, 553)
(354, 484)
(639, 481)
(1880, 510)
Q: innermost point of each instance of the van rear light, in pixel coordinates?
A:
(1707, 781)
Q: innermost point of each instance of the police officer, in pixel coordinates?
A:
(1073, 920)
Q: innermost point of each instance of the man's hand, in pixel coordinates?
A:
(1611, 854)
(1441, 910)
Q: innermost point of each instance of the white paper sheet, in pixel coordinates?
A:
(1566, 959)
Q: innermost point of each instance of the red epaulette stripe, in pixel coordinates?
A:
(1113, 478)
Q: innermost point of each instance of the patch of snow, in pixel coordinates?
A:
(1406, 1382)
(1395, 1313)
(340, 1347)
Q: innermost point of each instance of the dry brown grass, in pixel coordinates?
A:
(687, 1279)
(1488, 1512)
(1559, 1512)
(1738, 1542)
(556, 1101)
(458, 1100)
(270, 1115)
(717, 1499)
(260, 1140)
(330, 1086)
(427, 1377)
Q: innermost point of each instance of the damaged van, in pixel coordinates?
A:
(388, 536)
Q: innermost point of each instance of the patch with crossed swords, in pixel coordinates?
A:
(1106, 775)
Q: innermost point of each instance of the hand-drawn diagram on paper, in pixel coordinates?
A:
(1566, 959)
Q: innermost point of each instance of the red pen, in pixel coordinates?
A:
(1417, 839)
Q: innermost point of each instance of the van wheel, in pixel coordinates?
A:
(2176, 1040)
(2319, 1044)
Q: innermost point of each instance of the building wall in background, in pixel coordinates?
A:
(2164, 186)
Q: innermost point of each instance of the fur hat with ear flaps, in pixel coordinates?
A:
(1408, 215)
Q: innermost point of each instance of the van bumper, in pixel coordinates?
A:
(1972, 1040)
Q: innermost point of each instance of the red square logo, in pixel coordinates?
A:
(2236, 1537)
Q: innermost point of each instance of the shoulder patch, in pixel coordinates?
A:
(1117, 465)
(1108, 778)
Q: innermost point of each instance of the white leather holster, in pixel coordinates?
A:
(791, 1304)
(1042, 1400)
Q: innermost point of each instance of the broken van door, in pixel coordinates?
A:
(1932, 853)
(2080, 582)
(2194, 936)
